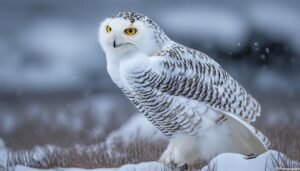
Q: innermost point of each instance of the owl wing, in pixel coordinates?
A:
(182, 71)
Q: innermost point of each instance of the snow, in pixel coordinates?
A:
(24, 168)
(136, 127)
(238, 162)
(3, 153)
(146, 166)
(223, 162)
(39, 152)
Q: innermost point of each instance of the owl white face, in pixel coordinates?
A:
(121, 36)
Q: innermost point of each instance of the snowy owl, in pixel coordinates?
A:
(182, 91)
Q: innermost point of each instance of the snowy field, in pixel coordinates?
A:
(59, 109)
(136, 146)
(223, 162)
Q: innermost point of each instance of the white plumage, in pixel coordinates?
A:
(182, 91)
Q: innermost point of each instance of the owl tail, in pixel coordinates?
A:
(253, 140)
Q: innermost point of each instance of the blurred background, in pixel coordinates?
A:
(54, 88)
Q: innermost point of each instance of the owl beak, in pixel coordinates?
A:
(118, 44)
(114, 44)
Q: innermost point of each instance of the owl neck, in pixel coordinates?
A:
(127, 58)
(130, 55)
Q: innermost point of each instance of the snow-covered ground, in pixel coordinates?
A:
(238, 162)
(24, 168)
(223, 162)
(137, 123)
(3, 153)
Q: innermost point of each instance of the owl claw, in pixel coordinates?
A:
(177, 167)
(183, 167)
(166, 159)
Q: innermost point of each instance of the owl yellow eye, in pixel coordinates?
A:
(108, 29)
(130, 31)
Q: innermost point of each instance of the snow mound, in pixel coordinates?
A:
(136, 127)
(238, 162)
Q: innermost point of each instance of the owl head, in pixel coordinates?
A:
(126, 32)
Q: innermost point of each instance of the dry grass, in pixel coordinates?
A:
(282, 162)
(90, 156)
(285, 139)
